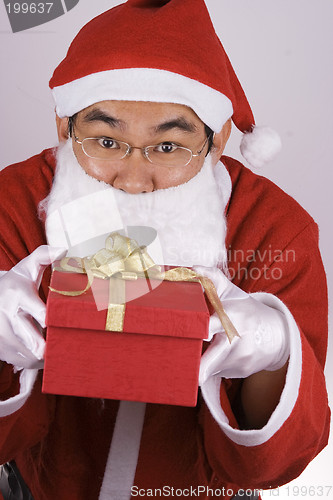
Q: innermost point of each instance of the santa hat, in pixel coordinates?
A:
(159, 51)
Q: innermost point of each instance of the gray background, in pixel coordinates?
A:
(281, 51)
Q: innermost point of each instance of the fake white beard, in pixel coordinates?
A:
(189, 218)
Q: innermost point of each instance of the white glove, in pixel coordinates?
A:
(263, 343)
(22, 312)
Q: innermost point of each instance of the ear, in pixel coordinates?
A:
(220, 141)
(62, 128)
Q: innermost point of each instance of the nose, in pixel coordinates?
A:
(134, 175)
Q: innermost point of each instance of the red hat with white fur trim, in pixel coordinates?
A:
(159, 51)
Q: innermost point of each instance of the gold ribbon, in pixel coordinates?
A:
(186, 274)
(123, 258)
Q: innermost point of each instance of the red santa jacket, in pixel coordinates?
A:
(61, 444)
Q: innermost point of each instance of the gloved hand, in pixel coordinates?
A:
(263, 343)
(22, 312)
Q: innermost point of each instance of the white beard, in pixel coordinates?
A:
(189, 219)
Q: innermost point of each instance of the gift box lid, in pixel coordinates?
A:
(175, 309)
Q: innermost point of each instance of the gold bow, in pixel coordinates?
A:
(123, 258)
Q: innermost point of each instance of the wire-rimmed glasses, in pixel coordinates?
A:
(165, 154)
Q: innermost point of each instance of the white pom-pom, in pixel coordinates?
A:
(260, 146)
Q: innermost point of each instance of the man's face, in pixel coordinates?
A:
(140, 124)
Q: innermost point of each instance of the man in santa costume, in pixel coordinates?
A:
(144, 102)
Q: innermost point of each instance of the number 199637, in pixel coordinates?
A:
(29, 8)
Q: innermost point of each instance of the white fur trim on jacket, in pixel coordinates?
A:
(124, 451)
(144, 84)
(11, 405)
(211, 389)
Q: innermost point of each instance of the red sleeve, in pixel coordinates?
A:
(291, 270)
(21, 231)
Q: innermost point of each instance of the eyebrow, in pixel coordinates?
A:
(97, 115)
(180, 123)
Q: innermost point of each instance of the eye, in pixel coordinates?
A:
(166, 147)
(108, 143)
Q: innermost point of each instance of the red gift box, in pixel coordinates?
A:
(154, 359)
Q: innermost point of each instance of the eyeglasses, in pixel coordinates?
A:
(166, 154)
